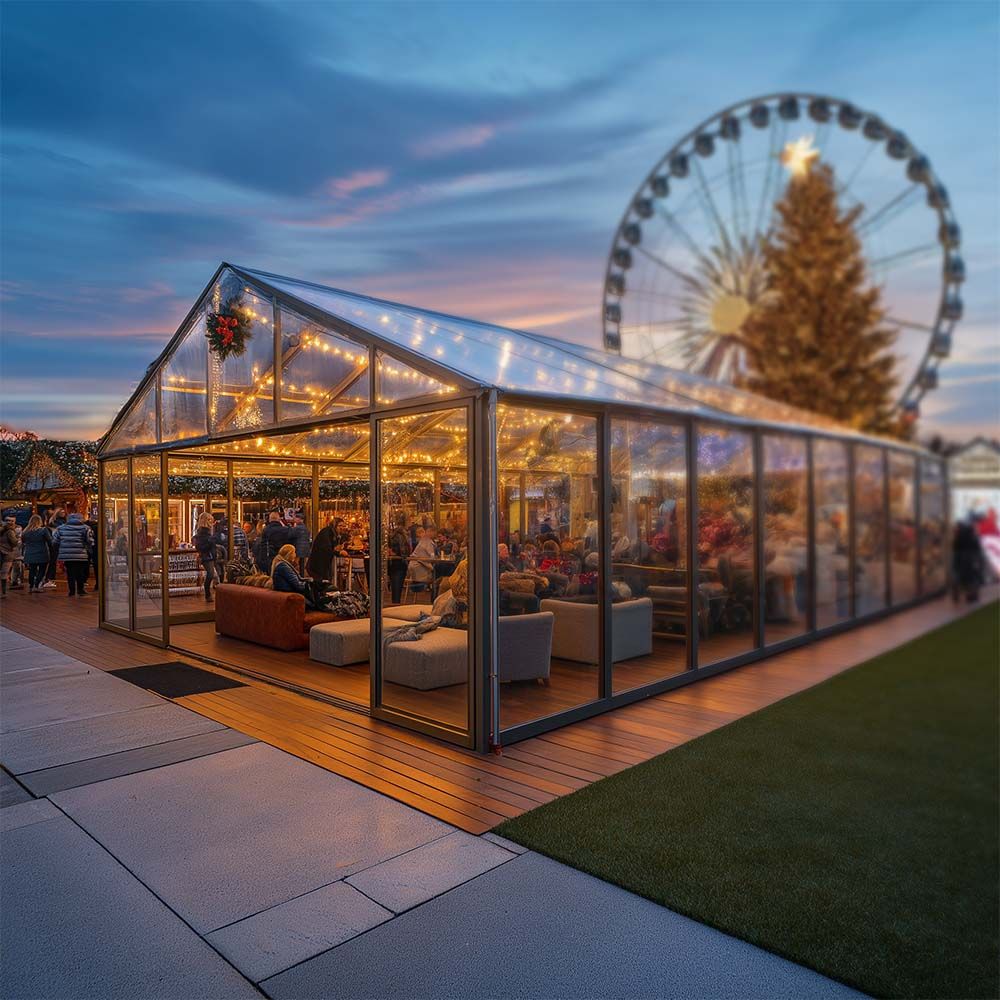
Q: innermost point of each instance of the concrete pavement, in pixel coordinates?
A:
(171, 857)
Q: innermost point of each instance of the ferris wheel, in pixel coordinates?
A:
(686, 269)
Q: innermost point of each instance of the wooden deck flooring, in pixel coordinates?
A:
(475, 792)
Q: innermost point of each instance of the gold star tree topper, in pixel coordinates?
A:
(799, 156)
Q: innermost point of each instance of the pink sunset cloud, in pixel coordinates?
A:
(453, 141)
(360, 180)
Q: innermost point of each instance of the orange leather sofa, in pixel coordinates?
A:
(267, 617)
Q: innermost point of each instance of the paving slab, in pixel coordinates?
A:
(226, 836)
(42, 663)
(412, 878)
(65, 698)
(9, 639)
(81, 739)
(535, 928)
(75, 924)
(86, 772)
(27, 813)
(291, 932)
(507, 845)
(11, 793)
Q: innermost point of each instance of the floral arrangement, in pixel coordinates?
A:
(229, 329)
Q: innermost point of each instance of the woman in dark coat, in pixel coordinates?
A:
(966, 562)
(37, 542)
(285, 578)
(205, 543)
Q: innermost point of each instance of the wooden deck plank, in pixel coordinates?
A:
(471, 791)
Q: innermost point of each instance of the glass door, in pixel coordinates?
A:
(148, 543)
(198, 535)
(423, 601)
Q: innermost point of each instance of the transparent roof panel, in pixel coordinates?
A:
(344, 443)
(321, 372)
(726, 398)
(481, 352)
(139, 427)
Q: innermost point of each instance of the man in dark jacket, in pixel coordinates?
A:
(271, 539)
(75, 541)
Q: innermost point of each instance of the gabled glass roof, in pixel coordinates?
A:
(481, 352)
(307, 356)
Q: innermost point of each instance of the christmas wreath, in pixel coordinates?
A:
(229, 329)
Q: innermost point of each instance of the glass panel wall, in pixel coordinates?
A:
(933, 527)
(116, 573)
(786, 537)
(241, 386)
(197, 536)
(902, 527)
(549, 631)
(831, 519)
(725, 544)
(869, 530)
(148, 514)
(321, 371)
(274, 505)
(649, 570)
(345, 507)
(182, 386)
(425, 553)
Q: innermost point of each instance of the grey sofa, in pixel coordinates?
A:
(576, 632)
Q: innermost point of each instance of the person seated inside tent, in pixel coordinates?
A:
(422, 558)
(285, 579)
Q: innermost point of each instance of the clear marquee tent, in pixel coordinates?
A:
(593, 528)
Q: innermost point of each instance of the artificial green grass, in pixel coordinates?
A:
(852, 828)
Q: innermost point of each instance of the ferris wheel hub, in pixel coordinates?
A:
(729, 313)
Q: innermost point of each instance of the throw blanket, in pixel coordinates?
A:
(348, 604)
(411, 633)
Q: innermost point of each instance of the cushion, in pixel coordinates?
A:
(407, 612)
(445, 604)
(340, 643)
(437, 659)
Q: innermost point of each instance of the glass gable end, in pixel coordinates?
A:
(139, 427)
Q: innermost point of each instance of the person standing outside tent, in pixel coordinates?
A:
(57, 517)
(8, 550)
(967, 562)
(75, 541)
(17, 570)
(36, 540)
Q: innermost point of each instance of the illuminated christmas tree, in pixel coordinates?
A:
(817, 339)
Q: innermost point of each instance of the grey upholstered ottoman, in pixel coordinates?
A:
(340, 643)
(437, 659)
(407, 612)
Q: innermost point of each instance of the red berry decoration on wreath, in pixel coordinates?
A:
(229, 329)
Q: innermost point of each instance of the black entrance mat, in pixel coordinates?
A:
(175, 679)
